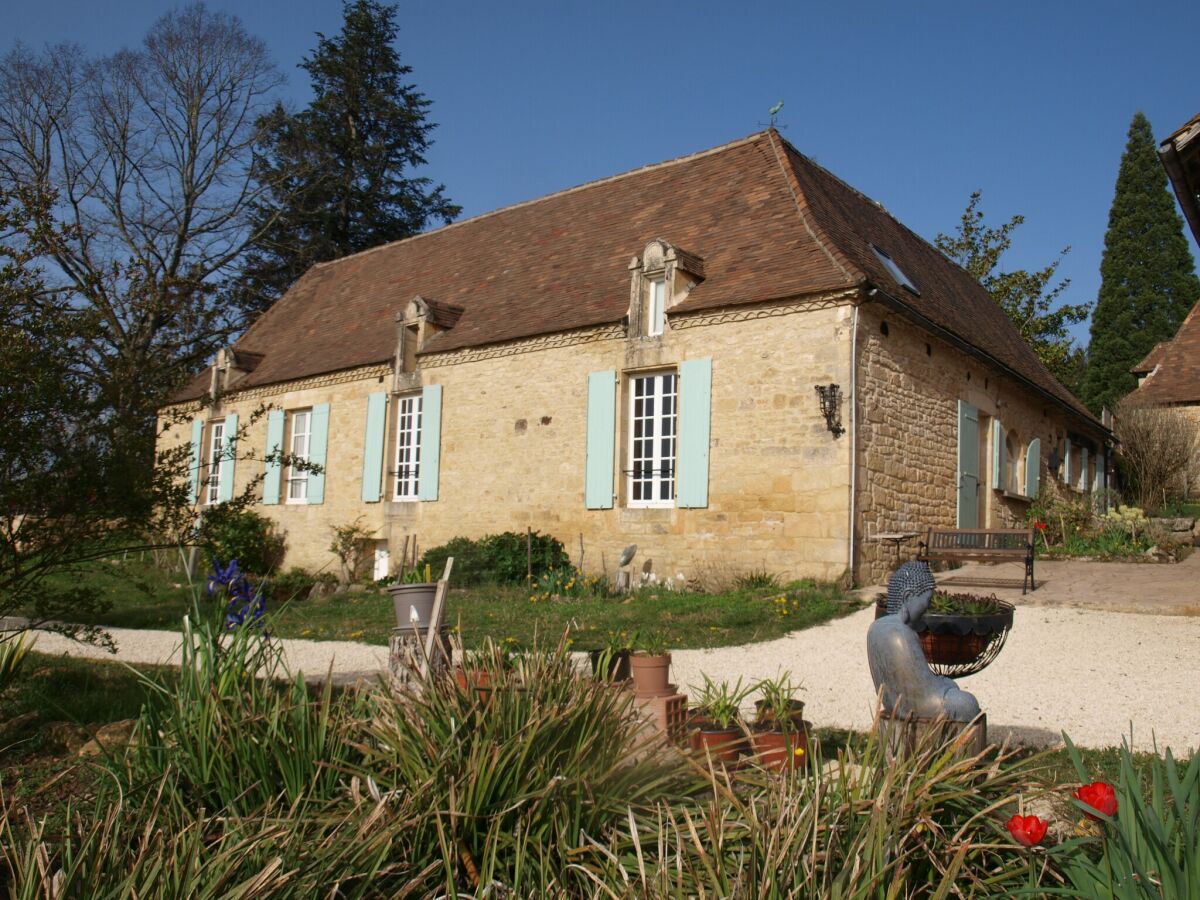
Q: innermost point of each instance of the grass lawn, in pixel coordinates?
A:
(144, 596)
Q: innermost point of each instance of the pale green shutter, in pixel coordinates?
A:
(1098, 478)
(275, 419)
(695, 404)
(1066, 472)
(228, 459)
(197, 460)
(601, 440)
(1083, 461)
(968, 465)
(1033, 467)
(318, 446)
(373, 441)
(998, 451)
(431, 442)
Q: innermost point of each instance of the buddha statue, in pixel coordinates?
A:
(898, 666)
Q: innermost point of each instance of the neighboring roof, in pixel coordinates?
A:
(1153, 358)
(1180, 155)
(768, 222)
(1177, 379)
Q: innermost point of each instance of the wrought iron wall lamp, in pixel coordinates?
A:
(830, 396)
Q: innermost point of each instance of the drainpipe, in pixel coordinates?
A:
(853, 435)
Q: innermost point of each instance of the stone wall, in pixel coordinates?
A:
(909, 385)
(514, 442)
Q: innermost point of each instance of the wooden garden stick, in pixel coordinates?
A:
(403, 561)
(435, 619)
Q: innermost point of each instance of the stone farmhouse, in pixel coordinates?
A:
(732, 359)
(1170, 376)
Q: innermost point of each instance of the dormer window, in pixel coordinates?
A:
(657, 308)
(662, 277)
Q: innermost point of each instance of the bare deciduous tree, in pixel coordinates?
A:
(1158, 444)
(137, 173)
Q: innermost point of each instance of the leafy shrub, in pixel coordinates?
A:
(557, 584)
(228, 533)
(497, 558)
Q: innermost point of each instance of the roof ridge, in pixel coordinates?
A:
(835, 253)
(720, 148)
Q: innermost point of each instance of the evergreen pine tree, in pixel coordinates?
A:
(1148, 280)
(339, 171)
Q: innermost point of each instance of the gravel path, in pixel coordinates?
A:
(1091, 674)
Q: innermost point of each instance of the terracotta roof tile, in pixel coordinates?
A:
(1178, 377)
(768, 223)
(1153, 358)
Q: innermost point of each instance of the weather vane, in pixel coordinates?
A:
(774, 111)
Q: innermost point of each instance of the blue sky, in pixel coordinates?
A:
(916, 104)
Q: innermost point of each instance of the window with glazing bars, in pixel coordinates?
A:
(299, 448)
(652, 439)
(408, 447)
(216, 452)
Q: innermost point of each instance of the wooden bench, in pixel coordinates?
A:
(980, 545)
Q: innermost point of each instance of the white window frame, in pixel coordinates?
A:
(216, 452)
(300, 448)
(656, 307)
(406, 482)
(659, 426)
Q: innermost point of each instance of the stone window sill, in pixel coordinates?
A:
(1020, 498)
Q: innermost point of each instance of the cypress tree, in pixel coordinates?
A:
(337, 175)
(1148, 280)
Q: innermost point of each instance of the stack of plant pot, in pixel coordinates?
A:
(413, 601)
(659, 700)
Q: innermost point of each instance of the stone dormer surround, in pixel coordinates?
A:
(229, 367)
(679, 270)
(420, 321)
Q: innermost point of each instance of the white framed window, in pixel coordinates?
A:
(657, 307)
(216, 452)
(652, 439)
(408, 447)
(299, 448)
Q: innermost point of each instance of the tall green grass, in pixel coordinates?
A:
(237, 728)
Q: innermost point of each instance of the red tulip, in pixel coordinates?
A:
(1100, 796)
(1027, 830)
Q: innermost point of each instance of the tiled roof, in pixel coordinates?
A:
(768, 223)
(1153, 358)
(1177, 379)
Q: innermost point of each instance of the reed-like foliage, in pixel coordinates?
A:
(517, 777)
(862, 825)
(237, 728)
(1151, 847)
(14, 651)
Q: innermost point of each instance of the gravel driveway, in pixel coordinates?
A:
(1090, 673)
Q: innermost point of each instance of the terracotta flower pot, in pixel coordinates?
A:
(723, 743)
(651, 675)
(618, 665)
(777, 750)
(478, 679)
(765, 718)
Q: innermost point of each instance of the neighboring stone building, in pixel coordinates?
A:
(1170, 376)
(732, 359)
